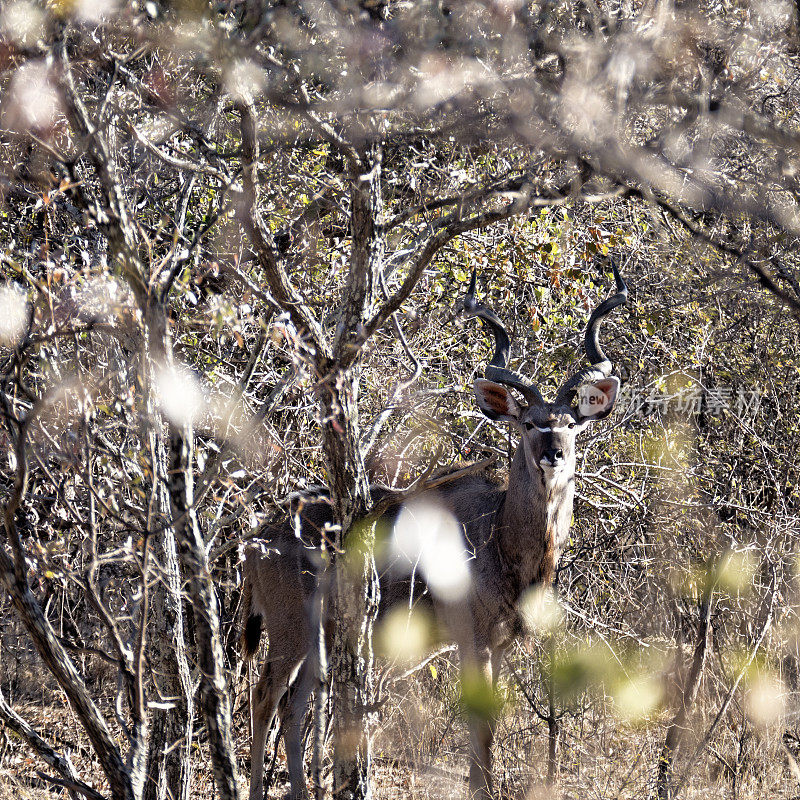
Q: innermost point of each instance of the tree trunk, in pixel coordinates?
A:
(355, 592)
(169, 771)
(214, 698)
(353, 600)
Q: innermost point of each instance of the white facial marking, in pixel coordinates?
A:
(551, 472)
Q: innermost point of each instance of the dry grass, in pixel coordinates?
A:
(420, 750)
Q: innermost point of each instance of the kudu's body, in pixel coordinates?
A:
(514, 537)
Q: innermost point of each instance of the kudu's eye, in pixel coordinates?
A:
(571, 425)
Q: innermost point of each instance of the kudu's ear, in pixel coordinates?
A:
(496, 401)
(596, 399)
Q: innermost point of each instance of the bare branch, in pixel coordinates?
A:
(286, 296)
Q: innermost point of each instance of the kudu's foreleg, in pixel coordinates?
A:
(478, 667)
(481, 734)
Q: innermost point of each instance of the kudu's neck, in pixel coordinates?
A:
(535, 521)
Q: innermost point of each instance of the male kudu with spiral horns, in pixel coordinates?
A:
(513, 537)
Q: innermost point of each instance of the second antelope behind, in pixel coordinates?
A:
(512, 539)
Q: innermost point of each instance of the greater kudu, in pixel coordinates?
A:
(514, 537)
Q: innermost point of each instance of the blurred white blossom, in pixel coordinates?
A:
(765, 702)
(440, 80)
(404, 635)
(94, 10)
(22, 22)
(180, 394)
(427, 537)
(772, 13)
(540, 609)
(585, 110)
(637, 696)
(13, 314)
(32, 99)
(244, 80)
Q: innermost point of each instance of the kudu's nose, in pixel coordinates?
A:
(553, 457)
